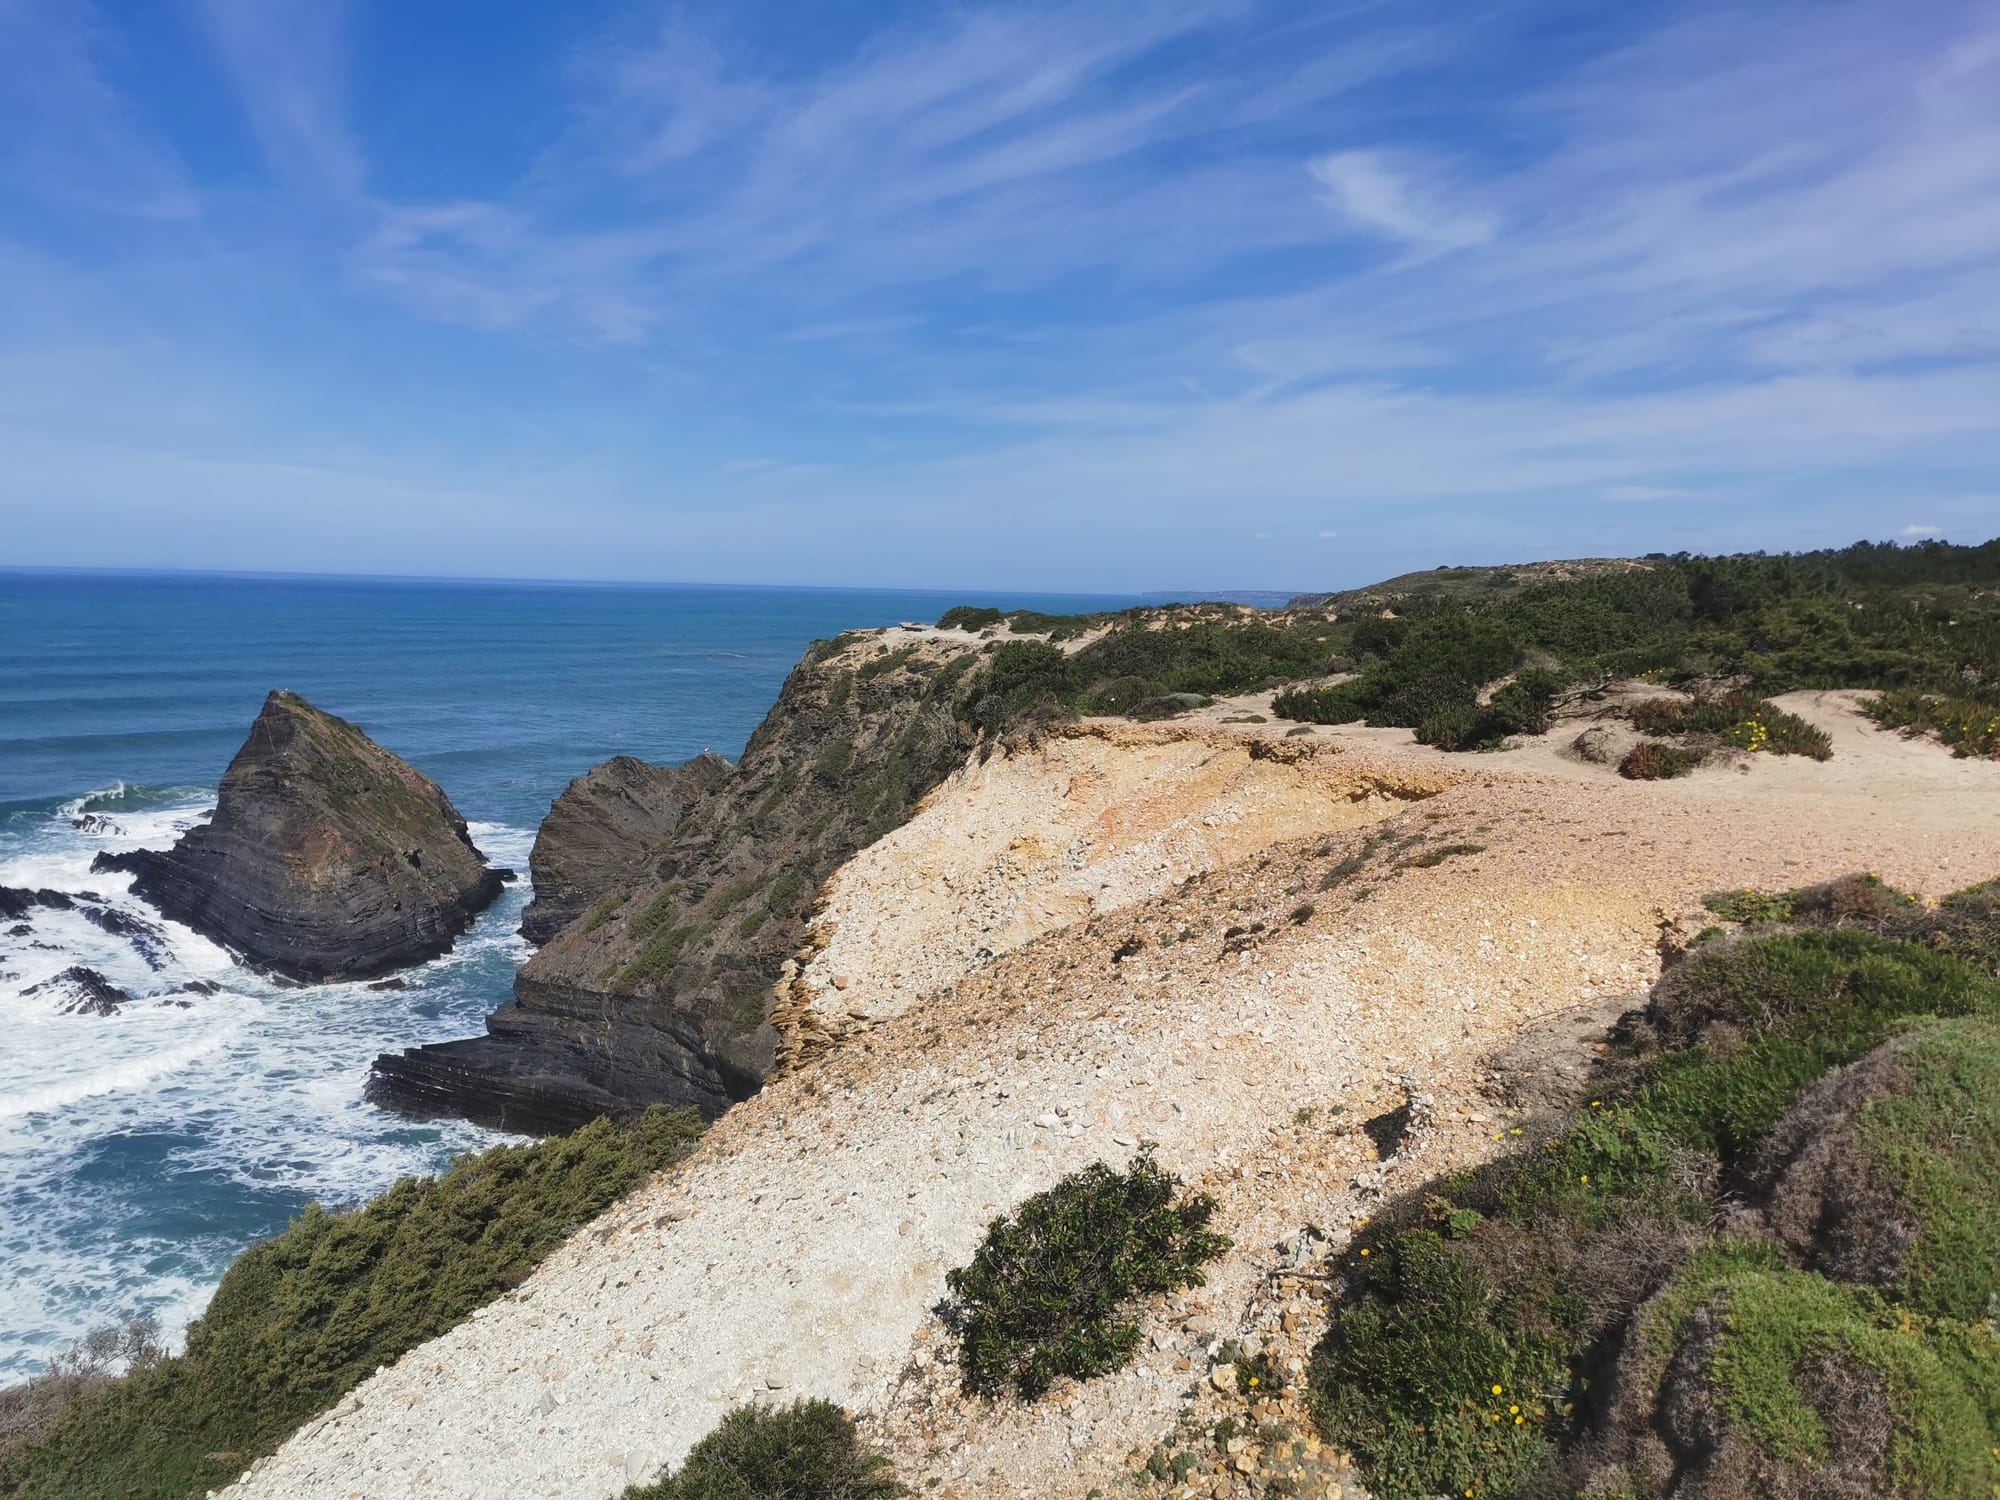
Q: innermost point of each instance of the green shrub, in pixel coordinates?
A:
(1524, 1272)
(1737, 718)
(1776, 1330)
(1021, 676)
(1434, 672)
(968, 617)
(1208, 656)
(731, 893)
(1433, 1381)
(1050, 1290)
(882, 665)
(1849, 899)
(1970, 725)
(1744, 1027)
(786, 893)
(1936, 1141)
(1521, 707)
(1910, 619)
(1326, 705)
(302, 1319)
(806, 1451)
(1650, 760)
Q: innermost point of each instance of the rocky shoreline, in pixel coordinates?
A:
(667, 900)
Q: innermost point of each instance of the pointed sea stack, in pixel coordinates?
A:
(327, 857)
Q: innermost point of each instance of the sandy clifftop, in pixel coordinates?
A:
(1059, 957)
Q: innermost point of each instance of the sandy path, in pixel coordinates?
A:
(801, 1249)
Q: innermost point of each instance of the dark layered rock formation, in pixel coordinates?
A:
(147, 940)
(658, 989)
(604, 831)
(83, 991)
(327, 857)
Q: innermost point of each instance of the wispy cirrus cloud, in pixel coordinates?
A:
(288, 60)
(1378, 195)
(990, 275)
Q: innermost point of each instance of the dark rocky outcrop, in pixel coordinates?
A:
(146, 939)
(658, 989)
(327, 857)
(16, 902)
(83, 991)
(604, 831)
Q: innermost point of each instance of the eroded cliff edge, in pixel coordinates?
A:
(328, 857)
(603, 833)
(657, 987)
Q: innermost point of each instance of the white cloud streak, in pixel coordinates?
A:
(1135, 271)
(1377, 195)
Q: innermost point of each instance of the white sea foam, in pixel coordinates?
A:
(140, 1152)
(136, 1073)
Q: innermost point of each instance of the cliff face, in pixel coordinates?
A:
(327, 857)
(658, 988)
(603, 833)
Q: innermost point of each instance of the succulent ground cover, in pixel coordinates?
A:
(1759, 1260)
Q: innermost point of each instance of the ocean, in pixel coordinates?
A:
(142, 1151)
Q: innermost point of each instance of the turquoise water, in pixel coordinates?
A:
(140, 1152)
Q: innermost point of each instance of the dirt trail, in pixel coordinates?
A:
(801, 1250)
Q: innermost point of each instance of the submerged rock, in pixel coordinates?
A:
(16, 902)
(604, 831)
(327, 857)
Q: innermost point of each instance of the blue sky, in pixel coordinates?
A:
(1188, 293)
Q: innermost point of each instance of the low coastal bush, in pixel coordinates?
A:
(302, 1319)
(1970, 725)
(1913, 621)
(806, 1451)
(1783, 1379)
(1908, 620)
(1652, 760)
(1520, 707)
(1749, 723)
(28, 1413)
(1473, 1343)
(1050, 1291)
(1849, 900)
(969, 617)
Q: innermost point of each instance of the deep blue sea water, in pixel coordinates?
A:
(141, 1152)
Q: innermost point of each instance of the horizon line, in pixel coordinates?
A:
(100, 570)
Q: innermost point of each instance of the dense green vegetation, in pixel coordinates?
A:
(1968, 722)
(1774, 1326)
(1735, 718)
(1467, 657)
(1050, 1291)
(806, 1451)
(302, 1319)
(1149, 664)
(1474, 1347)
(1924, 621)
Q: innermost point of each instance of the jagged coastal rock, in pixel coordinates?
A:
(603, 832)
(328, 857)
(659, 989)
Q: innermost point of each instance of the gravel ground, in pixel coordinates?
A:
(802, 1248)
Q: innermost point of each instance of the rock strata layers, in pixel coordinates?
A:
(603, 832)
(658, 988)
(327, 857)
